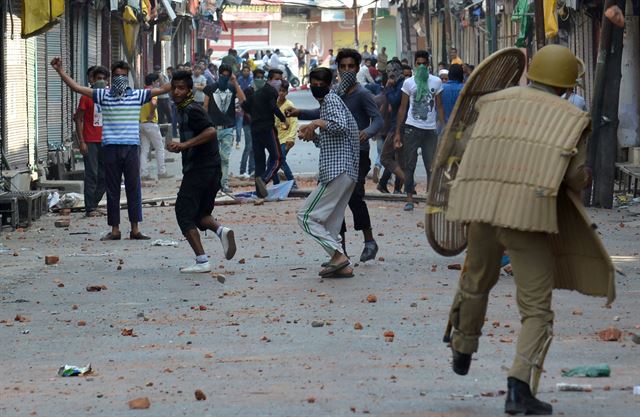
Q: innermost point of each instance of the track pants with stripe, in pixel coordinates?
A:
(322, 214)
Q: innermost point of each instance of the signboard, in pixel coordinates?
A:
(332, 15)
(252, 13)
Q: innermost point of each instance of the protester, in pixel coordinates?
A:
(201, 174)
(164, 105)
(274, 60)
(262, 106)
(451, 90)
(287, 133)
(365, 53)
(211, 74)
(120, 140)
(314, 53)
(363, 108)
(150, 135)
(323, 211)
(454, 58)
(407, 71)
(219, 101)
(443, 74)
(88, 119)
(421, 102)
(199, 84)
(382, 60)
(392, 159)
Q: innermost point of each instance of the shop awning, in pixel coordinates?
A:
(38, 16)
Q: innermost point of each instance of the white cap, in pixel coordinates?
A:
(443, 72)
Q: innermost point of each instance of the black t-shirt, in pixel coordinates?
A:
(226, 118)
(193, 120)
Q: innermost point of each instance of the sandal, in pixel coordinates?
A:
(333, 268)
(138, 236)
(111, 236)
(340, 274)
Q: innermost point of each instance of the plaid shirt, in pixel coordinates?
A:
(339, 143)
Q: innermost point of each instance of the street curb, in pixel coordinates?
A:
(376, 197)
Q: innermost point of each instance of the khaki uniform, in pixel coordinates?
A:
(518, 188)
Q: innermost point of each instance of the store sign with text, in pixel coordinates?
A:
(252, 13)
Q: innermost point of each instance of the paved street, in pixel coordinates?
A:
(250, 343)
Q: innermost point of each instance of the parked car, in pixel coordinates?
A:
(286, 55)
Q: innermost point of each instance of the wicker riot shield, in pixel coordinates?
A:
(500, 70)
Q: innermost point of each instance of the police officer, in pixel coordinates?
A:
(518, 189)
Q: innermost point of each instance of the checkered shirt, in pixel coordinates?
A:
(339, 143)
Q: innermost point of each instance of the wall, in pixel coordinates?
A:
(629, 109)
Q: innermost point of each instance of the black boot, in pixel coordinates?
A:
(520, 400)
(461, 362)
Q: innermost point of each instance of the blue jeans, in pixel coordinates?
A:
(247, 161)
(379, 145)
(239, 120)
(285, 167)
(174, 119)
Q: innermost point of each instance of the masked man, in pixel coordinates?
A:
(529, 205)
(219, 101)
(363, 108)
(323, 211)
(120, 141)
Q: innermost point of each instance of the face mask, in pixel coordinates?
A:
(99, 84)
(119, 83)
(276, 84)
(319, 92)
(258, 83)
(347, 81)
(223, 82)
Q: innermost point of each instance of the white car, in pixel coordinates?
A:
(287, 56)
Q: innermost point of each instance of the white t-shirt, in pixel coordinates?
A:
(422, 114)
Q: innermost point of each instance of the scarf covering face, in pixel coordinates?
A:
(347, 81)
(188, 100)
(421, 77)
(394, 69)
(223, 82)
(258, 83)
(119, 84)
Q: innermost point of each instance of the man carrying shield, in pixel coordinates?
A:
(518, 188)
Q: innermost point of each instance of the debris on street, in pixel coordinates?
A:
(71, 370)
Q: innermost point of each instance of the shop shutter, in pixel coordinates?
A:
(116, 44)
(67, 105)
(41, 81)
(32, 97)
(16, 118)
(54, 90)
(92, 37)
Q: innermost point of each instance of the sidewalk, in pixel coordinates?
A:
(249, 343)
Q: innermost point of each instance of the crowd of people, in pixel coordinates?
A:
(365, 96)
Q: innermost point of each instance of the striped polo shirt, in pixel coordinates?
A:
(121, 115)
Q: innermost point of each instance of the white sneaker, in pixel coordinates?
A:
(197, 268)
(228, 242)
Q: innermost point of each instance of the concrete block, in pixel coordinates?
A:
(62, 186)
(634, 156)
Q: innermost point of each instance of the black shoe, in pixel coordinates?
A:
(461, 362)
(521, 401)
(369, 252)
(261, 188)
(382, 188)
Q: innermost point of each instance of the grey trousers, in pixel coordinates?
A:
(415, 138)
(322, 213)
(94, 185)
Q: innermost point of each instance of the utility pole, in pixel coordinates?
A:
(603, 146)
(539, 23)
(356, 32)
(447, 31)
(427, 25)
(492, 27)
(374, 36)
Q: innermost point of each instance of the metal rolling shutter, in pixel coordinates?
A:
(78, 50)
(42, 65)
(93, 37)
(32, 103)
(116, 45)
(54, 92)
(67, 104)
(17, 148)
